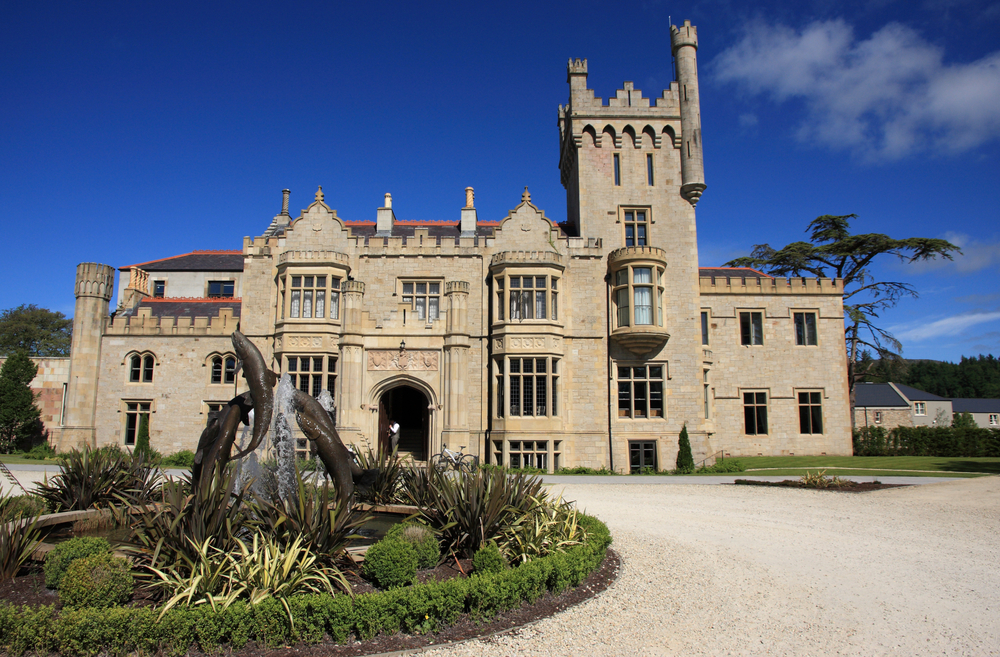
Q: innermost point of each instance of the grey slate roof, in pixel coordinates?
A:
(195, 261)
(731, 272)
(878, 395)
(918, 395)
(975, 405)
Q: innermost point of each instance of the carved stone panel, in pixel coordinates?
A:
(389, 359)
(303, 342)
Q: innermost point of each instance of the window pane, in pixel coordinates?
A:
(623, 307)
(334, 305)
(296, 297)
(817, 419)
(434, 287)
(515, 281)
(624, 399)
(555, 306)
(642, 275)
(216, 370)
(758, 328)
(528, 364)
(643, 306)
(704, 328)
(624, 372)
(320, 303)
(762, 420)
(307, 303)
(621, 277)
(655, 399)
(656, 372)
(811, 328)
(515, 395)
(541, 403)
(321, 281)
(296, 281)
(433, 307)
(407, 288)
(540, 305)
(293, 364)
(629, 235)
(745, 335)
(640, 237)
(421, 306)
(421, 288)
(639, 390)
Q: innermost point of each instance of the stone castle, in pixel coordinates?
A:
(590, 342)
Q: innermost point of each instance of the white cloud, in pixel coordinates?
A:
(884, 98)
(748, 120)
(955, 325)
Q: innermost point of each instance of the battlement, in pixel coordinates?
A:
(543, 258)
(144, 323)
(765, 285)
(314, 258)
(462, 287)
(685, 35)
(95, 280)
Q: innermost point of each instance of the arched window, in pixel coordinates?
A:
(223, 369)
(141, 368)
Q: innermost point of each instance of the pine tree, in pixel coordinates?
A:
(685, 461)
(19, 417)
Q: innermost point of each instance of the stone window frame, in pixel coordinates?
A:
(223, 281)
(503, 379)
(141, 365)
(326, 376)
(752, 339)
(628, 285)
(920, 408)
(812, 403)
(160, 283)
(649, 379)
(413, 295)
(642, 447)
(332, 288)
(504, 300)
(756, 405)
(226, 376)
(804, 312)
(624, 211)
(706, 327)
(128, 412)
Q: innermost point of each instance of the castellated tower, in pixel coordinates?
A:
(632, 169)
(94, 287)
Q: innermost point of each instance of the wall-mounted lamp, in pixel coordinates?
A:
(402, 346)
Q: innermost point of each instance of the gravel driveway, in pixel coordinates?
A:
(725, 570)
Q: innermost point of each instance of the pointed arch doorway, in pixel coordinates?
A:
(408, 406)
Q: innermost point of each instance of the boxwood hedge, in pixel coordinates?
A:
(125, 630)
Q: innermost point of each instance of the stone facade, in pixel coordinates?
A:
(530, 342)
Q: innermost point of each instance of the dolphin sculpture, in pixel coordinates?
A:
(219, 436)
(261, 381)
(318, 427)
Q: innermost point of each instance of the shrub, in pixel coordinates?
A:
(142, 435)
(40, 452)
(385, 488)
(182, 459)
(22, 506)
(488, 559)
(97, 478)
(941, 441)
(99, 580)
(390, 563)
(421, 538)
(583, 470)
(685, 461)
(724, 466)
(59, 559)
(19, 535)
(550, 526)
(468, 510)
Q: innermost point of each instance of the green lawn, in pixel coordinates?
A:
(12, 459)
(921, 466)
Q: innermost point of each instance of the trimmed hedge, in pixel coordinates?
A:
(948, 442)
(123, 630)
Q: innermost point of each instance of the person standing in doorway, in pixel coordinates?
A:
(393, 434)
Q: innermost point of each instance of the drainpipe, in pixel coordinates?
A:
(607, 328)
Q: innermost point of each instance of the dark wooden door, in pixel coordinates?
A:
(383, 426)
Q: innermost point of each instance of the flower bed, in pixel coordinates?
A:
(314, 618)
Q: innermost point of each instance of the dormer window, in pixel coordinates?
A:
(221, 289)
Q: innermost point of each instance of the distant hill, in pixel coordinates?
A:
(975, 377)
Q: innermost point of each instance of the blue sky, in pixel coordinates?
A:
(134, 131)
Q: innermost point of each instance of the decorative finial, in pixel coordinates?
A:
(319, 193)
(526, 196)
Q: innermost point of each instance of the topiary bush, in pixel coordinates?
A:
(99, 581)
(59, 559)
(390, 563)
(488, 559)
(685, 461)
(421, 538)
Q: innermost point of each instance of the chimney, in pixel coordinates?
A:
(469, 218)
(385, 218)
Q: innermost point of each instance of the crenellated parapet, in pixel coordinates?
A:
(314, 258)
(145, 323)
(765, 285)
(95, 280)
(531, 258)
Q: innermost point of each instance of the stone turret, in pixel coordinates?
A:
(94, 287)
(684, 44)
